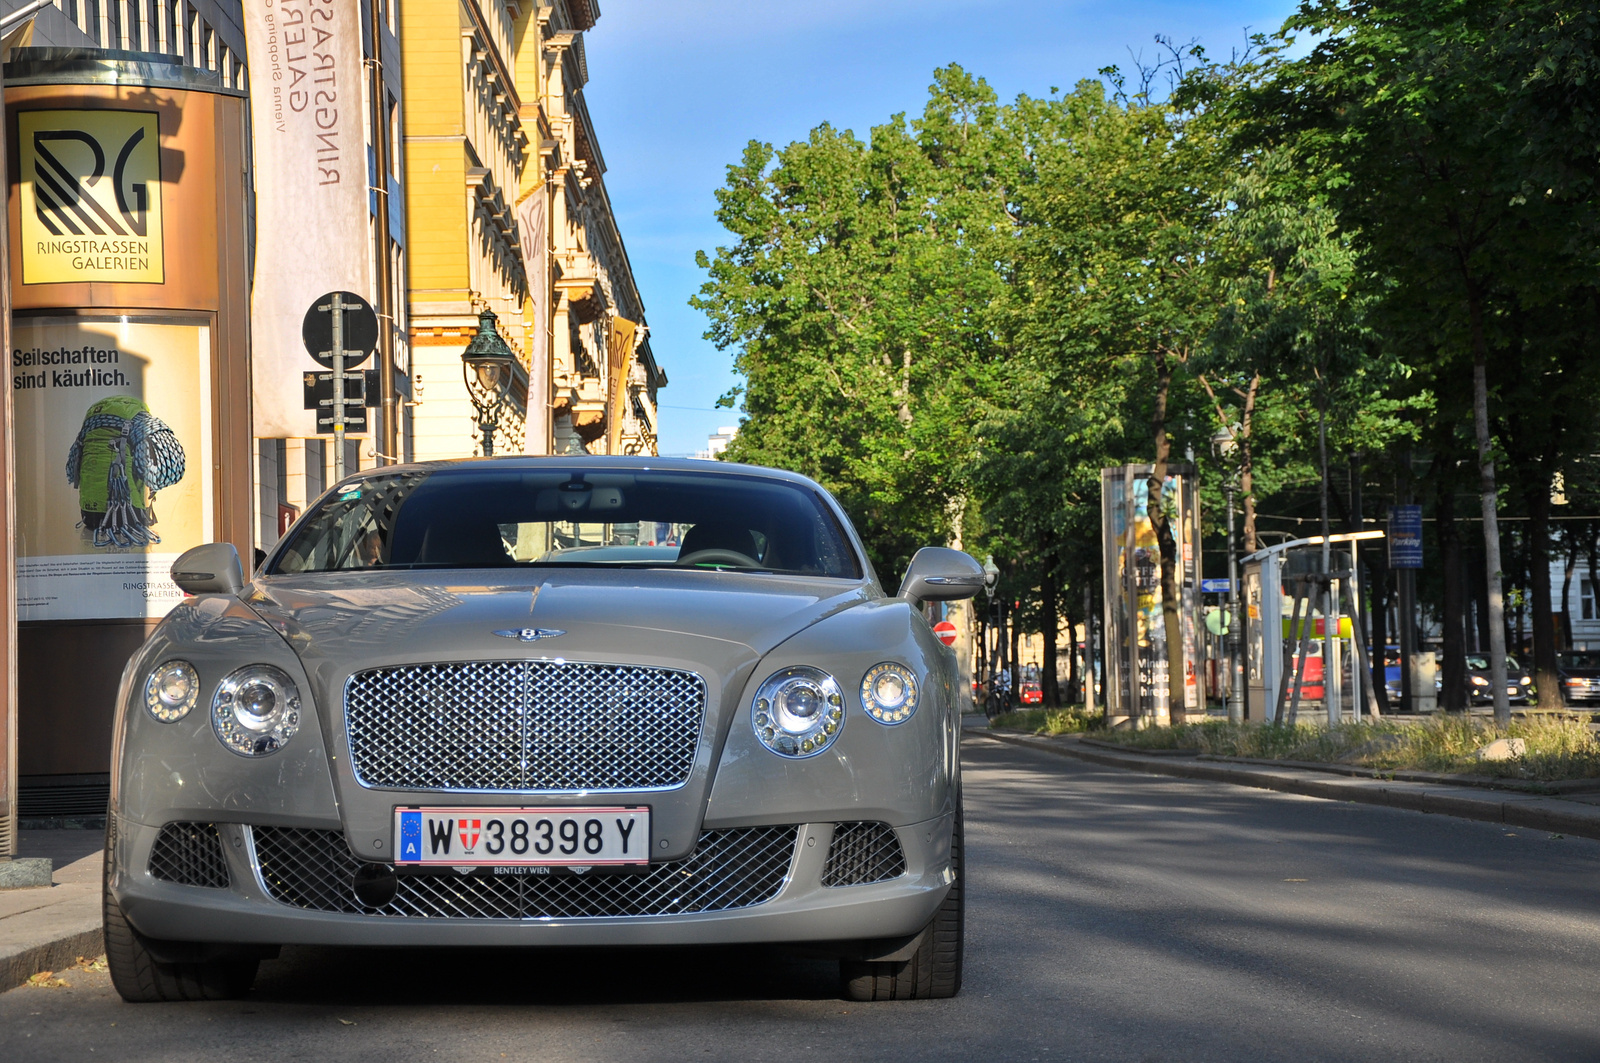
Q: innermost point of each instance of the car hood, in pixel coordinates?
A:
(455, 614)
(717, 624)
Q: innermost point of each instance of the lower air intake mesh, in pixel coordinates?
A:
(189, 854)
(728, 869)
(861, 853)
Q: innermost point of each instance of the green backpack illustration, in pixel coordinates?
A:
(123, 455)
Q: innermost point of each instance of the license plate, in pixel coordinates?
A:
(607, 836)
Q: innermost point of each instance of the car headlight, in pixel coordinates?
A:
(256, 710)
(1526, 680)
(798, 711)
(171, 691)
(889, 693)
(1479, 681)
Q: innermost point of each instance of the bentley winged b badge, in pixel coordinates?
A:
(529, 634)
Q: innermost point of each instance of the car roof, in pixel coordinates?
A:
(592, 462)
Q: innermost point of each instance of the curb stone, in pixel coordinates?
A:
(1516, 809)
(46, 928)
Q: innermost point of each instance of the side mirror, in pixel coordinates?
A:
(209, 569)
(937, 574)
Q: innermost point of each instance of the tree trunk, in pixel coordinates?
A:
(1167, 542)
(1377, 603)
(1453, 683)
(1016, 658)
(1546, 667)
(1073, 694)
(1480, 598)
(1491, 516)
(1566, 594)
(1047, 671)
(1247, 468)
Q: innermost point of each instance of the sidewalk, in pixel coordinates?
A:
(47, 928)
(1575, 814)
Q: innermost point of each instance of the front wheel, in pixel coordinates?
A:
(934, 969)
(140, 978)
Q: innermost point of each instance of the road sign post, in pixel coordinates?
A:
(341, 344)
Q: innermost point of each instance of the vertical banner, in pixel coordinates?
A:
(312, 212)
(1405, 537)
(113, 423)
(619, 358)
(532, 229)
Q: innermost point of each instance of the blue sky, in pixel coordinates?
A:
(677, 89)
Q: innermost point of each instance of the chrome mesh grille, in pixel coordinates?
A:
(523, 725)
(189, 854)
(861, 853)
(729, 869)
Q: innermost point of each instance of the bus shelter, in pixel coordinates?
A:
(1304, 631)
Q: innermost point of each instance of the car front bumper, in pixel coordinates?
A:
(801, 910)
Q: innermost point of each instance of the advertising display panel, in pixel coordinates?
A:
(1139, 659)
(113, 454)
(130, 371)
(91, 196)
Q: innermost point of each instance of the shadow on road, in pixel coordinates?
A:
(543, 976)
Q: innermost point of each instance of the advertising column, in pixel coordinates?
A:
(129, 371)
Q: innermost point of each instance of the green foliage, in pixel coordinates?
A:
(1070, 720)
(1558, 747)
(957, 322)
(856, 298)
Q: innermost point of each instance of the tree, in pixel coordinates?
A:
(854, 297)
(1411, 108)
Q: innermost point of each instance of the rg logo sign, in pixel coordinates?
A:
(91, 197)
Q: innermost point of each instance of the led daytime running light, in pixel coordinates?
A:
(171, 691)
(889, 693)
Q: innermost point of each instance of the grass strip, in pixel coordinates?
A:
(1557, 747)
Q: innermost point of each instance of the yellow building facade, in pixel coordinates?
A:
(507, 212)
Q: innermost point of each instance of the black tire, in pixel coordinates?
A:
(934, 969)
(142, 979)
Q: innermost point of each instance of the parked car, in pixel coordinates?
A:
(1580, 676)
(463, 704)
(1031, 693)
(1480, 685)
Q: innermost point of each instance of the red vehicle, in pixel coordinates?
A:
(1031, 692)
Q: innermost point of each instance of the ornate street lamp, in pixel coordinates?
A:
(487, 366)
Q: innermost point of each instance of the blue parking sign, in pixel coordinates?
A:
(1405, 536)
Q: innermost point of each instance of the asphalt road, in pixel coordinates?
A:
(1111, 916)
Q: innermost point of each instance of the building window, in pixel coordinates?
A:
(1586, 597)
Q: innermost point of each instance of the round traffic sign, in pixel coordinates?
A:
(360, 328)
(946, 632)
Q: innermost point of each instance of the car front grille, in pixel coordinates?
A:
(862, 853)
(728, 869)
(523, 725)
(189, 854)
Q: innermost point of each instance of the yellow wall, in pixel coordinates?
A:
(436, 219)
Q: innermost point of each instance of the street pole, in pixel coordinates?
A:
(336, 307)
(1235, 706)
(1088, 650)
(1330, 664)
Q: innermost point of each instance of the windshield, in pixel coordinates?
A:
(1578, 659)
(1477, 662)
(479, 516)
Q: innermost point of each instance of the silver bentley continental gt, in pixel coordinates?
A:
(544, 702)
